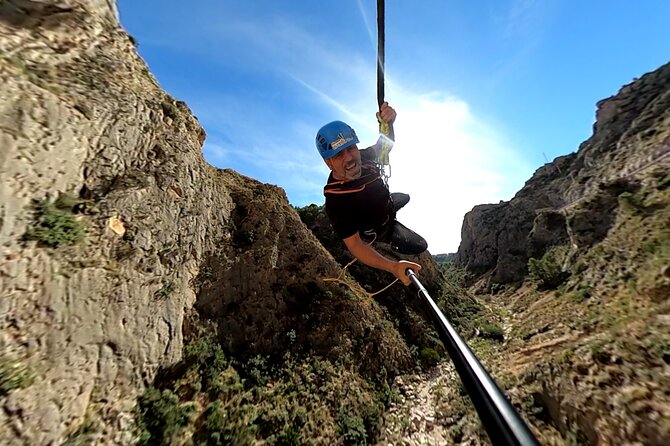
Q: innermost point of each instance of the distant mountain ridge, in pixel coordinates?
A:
(445, 258)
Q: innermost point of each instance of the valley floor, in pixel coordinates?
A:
(574, 385)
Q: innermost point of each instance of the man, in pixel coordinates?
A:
(358, 203)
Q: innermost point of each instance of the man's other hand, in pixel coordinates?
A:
(400, 271)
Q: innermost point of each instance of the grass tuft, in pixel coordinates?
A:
(54, 226)
(14, 375)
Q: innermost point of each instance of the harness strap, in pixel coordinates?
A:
(354, 186)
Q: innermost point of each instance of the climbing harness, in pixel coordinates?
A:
(338, 187)
(385, 143)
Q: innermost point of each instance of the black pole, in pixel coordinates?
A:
(502, 422)
(380, 52)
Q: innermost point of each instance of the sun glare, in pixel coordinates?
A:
(448, 162)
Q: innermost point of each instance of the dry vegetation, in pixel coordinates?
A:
(586, 357)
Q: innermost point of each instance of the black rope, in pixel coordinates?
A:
(503, 424)
(380, 52)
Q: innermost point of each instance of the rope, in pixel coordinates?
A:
(354, 286)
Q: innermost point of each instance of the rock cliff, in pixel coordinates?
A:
(572, 198)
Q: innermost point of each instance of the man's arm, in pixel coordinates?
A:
(367, 254)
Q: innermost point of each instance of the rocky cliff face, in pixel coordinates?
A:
(573, 198)
(587, 345)
(114, 232)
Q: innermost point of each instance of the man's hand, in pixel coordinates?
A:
(400, 271)
(369, 256)
(386, 113)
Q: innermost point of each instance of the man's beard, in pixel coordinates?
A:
(353, 171)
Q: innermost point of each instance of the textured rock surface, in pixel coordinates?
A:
(270, 284)
(628, 134)
(80, 114)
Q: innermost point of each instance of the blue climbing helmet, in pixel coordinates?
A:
(333, 138)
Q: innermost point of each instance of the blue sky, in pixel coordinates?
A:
(486, 90)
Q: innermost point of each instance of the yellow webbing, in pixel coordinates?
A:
(384, 149)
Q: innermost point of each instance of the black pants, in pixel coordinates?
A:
(399, 236)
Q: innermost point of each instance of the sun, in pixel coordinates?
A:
(448, 162)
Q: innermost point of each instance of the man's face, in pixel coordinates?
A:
(346, 165)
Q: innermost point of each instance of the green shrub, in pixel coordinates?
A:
(228, 424)
(161, 416)
(170, 110)
(631, 203)
(201, 349)
(310, 213)
(164, 291)
(492, 331)
(600, 353)
(497, 287)
(85, 434)
(664, 183)
(205, 274)
(575, 437)
(372, 415)
(351, 428)
(14, 375)
(54, 227)
(429, 356)
(454, 275)
(385, 393)
(225, 384)
(257, 370)
(580, 295)
(547, 272)
(462, 309)
(207, 356)
(277, 403)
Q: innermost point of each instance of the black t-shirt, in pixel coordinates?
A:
(367, 208)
